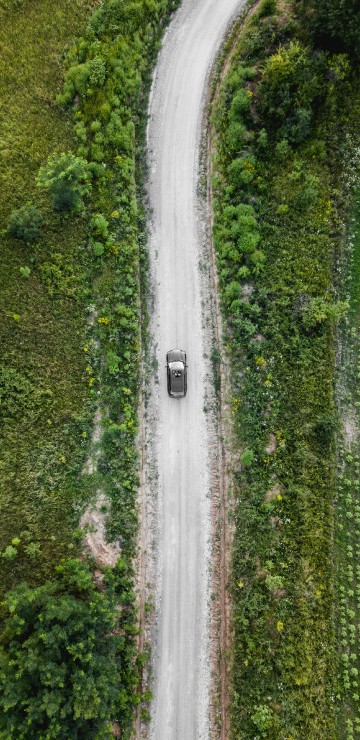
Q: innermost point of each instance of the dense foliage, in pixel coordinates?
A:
(280, 120)
(334, 24)
(64, 667)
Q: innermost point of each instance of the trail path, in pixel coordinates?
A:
(180, 708)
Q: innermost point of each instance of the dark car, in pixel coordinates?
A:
(176, 369)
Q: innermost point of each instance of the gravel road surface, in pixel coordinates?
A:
(181, 665)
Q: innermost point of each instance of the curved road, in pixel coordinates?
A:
(181, 665)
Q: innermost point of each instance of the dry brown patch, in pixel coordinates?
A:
(271, 445)
(94, 518)
(272, 494)
(94, 521)
(246, 291)
(350, 427)
(278, 593)
(275, 521)
(260, 572)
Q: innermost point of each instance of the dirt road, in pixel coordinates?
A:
(182, 554)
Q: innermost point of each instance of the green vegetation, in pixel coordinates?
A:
(280, 122)
(334, 24)
(74, 244)
(46, 408)
(25, 223)
(347, 551)
(106, 78)
(67, 178)
(64, 656)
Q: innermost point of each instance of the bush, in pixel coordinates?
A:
(100, 225)
(25, 223)
(267, 7)
(24, 272)
(291, 82)
(68, 179)
(247, 458)
(318, 310)
(97, 71)
(10, 553)
(263, 719)
(325, 427)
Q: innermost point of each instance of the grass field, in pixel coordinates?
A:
(44, 391)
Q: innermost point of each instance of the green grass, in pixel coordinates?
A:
(354, 282)
(278, 203)
(45, 406)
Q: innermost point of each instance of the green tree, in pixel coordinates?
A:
(25, 223)
(59, 658)
(335, 24)
(318, 310)
(67, 178)
(291, 83)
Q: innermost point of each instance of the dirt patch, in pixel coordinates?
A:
(93, 521)
(271, 445)
(246, 291)
(275, 521)
(91, 462)
(350, 427)
(272, 494)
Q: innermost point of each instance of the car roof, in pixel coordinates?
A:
(177, 382)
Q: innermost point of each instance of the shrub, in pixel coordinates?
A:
(262, 719)
(235, 136)
(291, 82)
(33, 550)
(24, 272)
(247, 458)
(98, 249)
(318, 310)
(325, 427)
(25, 223)
(241, 171)
(100, 225)
(97, 71)
(80, 77)
(67, 178)
(262, 139)
(267, 7)
(240, 104)
(298, 126)
(283, 149)
(10, 553)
